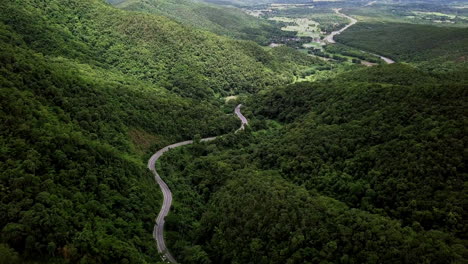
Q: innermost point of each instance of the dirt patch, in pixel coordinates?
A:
(142, 140)
(232, 97)
(368, 64)
(462, 59)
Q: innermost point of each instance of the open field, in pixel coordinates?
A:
(325, 17)
(417, 14)
(303, 26)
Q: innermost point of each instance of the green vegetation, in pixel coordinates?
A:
(441, 13)
(239, 2)
(150, 48)
(228, 21)
(306, 23)
(377, 145)
(362, 165)
(408, 42)
(303, 26)
(367, 167)
(350, 52)
(73, 186)
(87, 92)
(323, 15)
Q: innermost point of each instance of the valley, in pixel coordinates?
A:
(308, 132)
(330, 37)
(310, 35)
(158, 232)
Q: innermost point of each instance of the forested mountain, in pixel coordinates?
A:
(73, 185)
(359, 2)
(228, 21)
(363, 165)
(252, 3)
(87, 90)
(360, 172)
(149, 48)
(409, 42)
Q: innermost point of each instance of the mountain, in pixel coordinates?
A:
(247, 3)
(149, 48)
(364, 167)
(409, 42)
(222, 20)
(87, 92)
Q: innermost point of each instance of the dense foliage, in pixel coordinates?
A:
(363, 167)
(150, 48)
(347, 51)
(84, 98)
(221, 20)
(323, 14)
(72, 183)
(359, 173)
(397, 146)
(408, 42)
(87, 90)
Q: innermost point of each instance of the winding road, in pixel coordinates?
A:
(244, 121)
(330, 38)
(158, 231)
(387, 60)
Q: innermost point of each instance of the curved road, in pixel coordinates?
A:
(158, 232)
(244, 121)
(330, 38)
(387, 60)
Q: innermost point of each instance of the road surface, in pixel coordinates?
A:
(387, 60)
(330, 38)
(241, 117)
(158, 231)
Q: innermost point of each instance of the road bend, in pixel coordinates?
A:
(330, 39)
(158, 231)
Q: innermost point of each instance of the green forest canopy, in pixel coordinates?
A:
(364, 167)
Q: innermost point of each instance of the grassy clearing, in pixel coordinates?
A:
(303, 26)
(427, 15)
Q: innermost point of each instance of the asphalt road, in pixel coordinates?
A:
(241, 117)
(158, 231)
(330, 38)
(387, 60)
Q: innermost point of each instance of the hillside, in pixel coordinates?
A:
(364, 165)
(150, 48)
(87, 92)
(253, 3)
(227, 21)
(408, 42)
(73, 182)
(349, 172)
